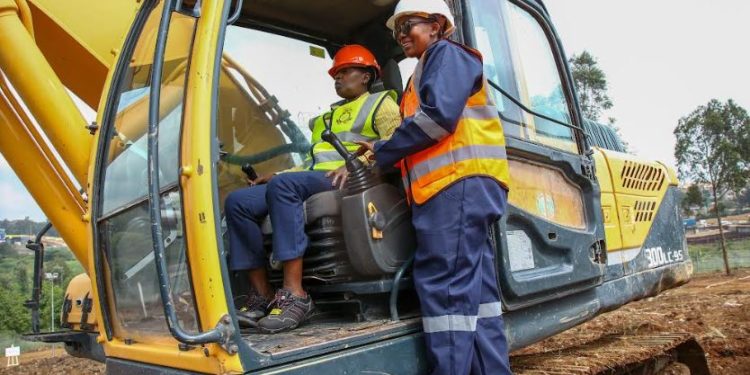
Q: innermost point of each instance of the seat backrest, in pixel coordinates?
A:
(391, 79)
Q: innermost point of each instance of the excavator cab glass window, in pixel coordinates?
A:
(266, 101)
(124, 225)
(518, 57)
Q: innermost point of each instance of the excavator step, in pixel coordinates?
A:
(641, 354)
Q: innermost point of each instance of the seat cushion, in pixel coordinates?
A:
(327, 203)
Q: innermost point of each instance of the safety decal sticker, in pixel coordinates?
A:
(520, 252)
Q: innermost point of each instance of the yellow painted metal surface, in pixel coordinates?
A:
(198, 188)
(42, 175)
(167, 355)
(610, 215)
(79, 289)
(38, 86)
(639, 185)
(546, 193)
(78, 37)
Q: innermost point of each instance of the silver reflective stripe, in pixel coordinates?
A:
(417, 76)
(481, 112)
(428, 126)
(490, 310)
(464, 153)
(364, 111)
(487, 92)
(353, 137)
(324, 156)
(446, 323)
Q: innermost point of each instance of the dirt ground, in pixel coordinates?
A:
(714, 308)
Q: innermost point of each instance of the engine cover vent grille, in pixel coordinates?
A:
(644, 211)
(643, 177)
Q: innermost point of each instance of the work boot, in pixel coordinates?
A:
(250, 308)
(287, 312)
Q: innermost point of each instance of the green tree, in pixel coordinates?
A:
(743, 200)
(707, 151)
(15, 317)
(693, 197)
(591, 85)
(22, 277)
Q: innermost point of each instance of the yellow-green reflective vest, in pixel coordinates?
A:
(351, 122)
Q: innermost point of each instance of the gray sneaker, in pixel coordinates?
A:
(287, 312)
(250, 308)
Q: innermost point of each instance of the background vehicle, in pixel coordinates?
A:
(197, 89)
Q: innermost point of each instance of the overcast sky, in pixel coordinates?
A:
(662, 59)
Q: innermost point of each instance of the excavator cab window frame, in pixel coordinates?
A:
(560, 60)
(119, 78)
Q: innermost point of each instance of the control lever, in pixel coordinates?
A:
(361, 177)
(249, 171)
(352, 162)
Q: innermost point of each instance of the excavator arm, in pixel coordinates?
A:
(48, 52)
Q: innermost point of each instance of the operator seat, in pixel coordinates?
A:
(324, 204)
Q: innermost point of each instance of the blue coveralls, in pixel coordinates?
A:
(282, 197)
(454, 266)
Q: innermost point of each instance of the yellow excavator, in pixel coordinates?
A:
(189, 93)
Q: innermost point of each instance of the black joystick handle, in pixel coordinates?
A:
(361, 177)
(249, 171)
(352, 162)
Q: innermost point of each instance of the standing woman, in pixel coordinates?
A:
(451, 151)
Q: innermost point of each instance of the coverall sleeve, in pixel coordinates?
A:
(449, 77)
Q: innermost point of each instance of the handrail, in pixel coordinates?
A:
(36, 291)
(537, 114)
(236, 15)
(223, 332)
(529, 110)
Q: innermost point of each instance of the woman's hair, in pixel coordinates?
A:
(441, 20)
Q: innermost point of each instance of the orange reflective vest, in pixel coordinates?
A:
(476, 148)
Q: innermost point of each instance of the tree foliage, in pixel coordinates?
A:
(693, 197)
(708, 150)
(591, 85)
(25, 226)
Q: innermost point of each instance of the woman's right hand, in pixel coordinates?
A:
(260, 180)
(365, 148)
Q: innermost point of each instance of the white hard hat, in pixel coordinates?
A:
(422, 8)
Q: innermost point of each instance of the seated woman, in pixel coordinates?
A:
(361, 116)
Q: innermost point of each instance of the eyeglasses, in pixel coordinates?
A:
(405, 28)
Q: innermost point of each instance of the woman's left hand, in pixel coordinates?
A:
(338, 176)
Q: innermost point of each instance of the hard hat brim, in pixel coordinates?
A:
(332, 72)
(391, 22)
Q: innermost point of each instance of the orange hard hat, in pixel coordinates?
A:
(353, 55)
